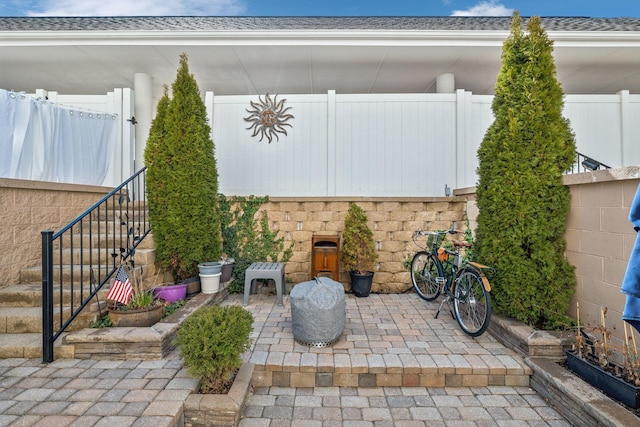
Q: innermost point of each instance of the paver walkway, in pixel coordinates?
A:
(399, 406)
(73, 392)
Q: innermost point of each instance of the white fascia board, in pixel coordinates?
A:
(308, 38)
(240, 38)
(595, 38)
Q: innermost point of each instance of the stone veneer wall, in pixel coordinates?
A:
(393, 221)
(29, 207)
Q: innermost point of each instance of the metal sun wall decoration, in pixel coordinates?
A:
(268, 117)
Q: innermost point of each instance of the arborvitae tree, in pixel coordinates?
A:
(523, 204)
(182, 180)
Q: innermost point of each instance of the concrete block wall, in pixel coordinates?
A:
(392, 220)
(599, 241)
(29, 207)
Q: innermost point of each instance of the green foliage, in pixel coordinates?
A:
(182, 180)
(248, 239)
(523, 204)
(102, 322)
(407, 262)
(173, 307)
(358, 251)
(140, 299)
(211, 342)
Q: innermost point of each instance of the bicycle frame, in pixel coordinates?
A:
(455, 265)
(437, 270)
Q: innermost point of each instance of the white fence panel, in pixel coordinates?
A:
(296, 164)
(393, 144)
(595, 120)
(474, 118)
(388, 145)
(368, 144)
(630, 129)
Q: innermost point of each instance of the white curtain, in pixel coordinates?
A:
(46, 142)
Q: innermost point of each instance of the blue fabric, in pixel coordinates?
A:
(631, 281)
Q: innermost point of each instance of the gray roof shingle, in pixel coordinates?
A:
(213, 23)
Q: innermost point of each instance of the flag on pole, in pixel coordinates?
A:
(121, 289)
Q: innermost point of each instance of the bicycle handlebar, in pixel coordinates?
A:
(452, 230)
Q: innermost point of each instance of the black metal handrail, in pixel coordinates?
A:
(107, 233)
(585, 163)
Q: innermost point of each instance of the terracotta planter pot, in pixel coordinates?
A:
(139, 317)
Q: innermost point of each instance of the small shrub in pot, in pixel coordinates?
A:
(211, 342)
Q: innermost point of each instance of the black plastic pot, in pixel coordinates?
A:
(361, 283)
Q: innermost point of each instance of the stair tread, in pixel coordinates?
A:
(29, 345)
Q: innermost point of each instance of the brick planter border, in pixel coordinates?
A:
(220, 409)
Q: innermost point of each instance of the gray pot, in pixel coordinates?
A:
(227, 269)
(209, 267)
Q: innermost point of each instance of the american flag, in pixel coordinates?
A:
(121, 289)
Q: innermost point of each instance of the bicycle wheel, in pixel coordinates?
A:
(424, 270)
(471, 303)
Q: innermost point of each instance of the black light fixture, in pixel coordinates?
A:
(591, 164)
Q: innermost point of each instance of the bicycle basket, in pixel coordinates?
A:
(442, 254)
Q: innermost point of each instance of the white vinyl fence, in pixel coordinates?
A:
(392, 144)
(412, 145)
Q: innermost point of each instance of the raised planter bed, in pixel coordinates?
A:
(150, 343)
(544, 352)
(604, 381)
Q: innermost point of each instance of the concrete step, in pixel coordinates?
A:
(102, 239)
(79, 273)
(95, 256)
(30, 295)
(19, 320)
(30, 346)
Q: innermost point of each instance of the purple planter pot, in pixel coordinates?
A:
(171, 293)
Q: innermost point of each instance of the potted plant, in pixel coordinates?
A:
(358, 253)
(227, 268)
(134, 306)
(182, 180)
(211, 342)
(612, 369)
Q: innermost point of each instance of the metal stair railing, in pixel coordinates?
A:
(106, 233)
(585, 163)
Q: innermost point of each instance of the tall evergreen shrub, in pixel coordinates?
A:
(182, 179)
(523, 204)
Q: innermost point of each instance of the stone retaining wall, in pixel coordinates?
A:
(29, 207)
(393, 221)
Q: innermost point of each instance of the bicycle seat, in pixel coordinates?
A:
(461, 244)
